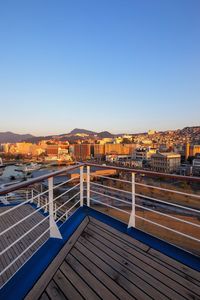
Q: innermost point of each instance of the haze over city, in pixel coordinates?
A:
(103, 65)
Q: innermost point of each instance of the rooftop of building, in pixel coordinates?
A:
(167, 154)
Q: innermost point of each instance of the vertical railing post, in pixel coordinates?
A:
(38, 199)
(132, 216)
(46, 203)
(81, 186)
(88, 186)
(31, 196)
(54, 231)
(55, 211)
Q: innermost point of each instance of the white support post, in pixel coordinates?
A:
(32, 196)
(88, 186)
(132, 216)
(81, 186)
(66, 215)
(54, 231)
(55, 212)
(38, 203)
(46, 203)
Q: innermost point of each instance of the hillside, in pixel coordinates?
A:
(10, 137)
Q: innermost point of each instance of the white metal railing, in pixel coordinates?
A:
(101, 190)
(56, 206)
(53, 203)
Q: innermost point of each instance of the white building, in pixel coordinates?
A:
(168, 162)
(143, 153)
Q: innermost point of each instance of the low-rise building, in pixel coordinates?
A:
(81, 151)
(185, 170)
(143, 153)
(168, 162)
(119, 149)
(196, 167)
(99, 151)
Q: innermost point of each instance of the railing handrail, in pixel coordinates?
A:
(27, 183)
(23, 184)
(146, 172)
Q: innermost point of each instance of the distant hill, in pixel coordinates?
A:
(10, 137)
(72, 135)
(192, 134)
(78, 130)
(105, 134)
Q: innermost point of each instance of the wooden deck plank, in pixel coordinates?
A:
(171, 264)
(133, 273)
(178, 267)
(161, 266)
(145, 263)
(121, 235)
(91, 280)
(54, 292)
(120, 270)
(44, 297)
(103, 277)
(66, 287)
(48, 274)
(76, 280)
(107, 269)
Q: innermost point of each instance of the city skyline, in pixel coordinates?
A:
(107, 65)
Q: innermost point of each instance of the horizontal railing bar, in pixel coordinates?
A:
(20, 267)
(173, 230)
(143, 207)
(38, 179)
(67, 212)
(63, 215)
(21, 237)
(167, 190)
(25, 250)
(148, 197)
(26, 201)
(64, 170)
(67, 201)
(112, 178)
(168, 216)
(73, 206)
(62, 183)
(145, 172)
(114, 198)
(109, 187)
(109, 206)
(66, 191)
(22, 220)
(168, 203)
(150, 186)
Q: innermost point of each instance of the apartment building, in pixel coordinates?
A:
(168, 162)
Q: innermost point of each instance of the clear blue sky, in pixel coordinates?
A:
(117, 65)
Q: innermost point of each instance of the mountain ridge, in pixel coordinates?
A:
(10, 137)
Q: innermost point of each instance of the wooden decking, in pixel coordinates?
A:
(99, 262)
(12, 235)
